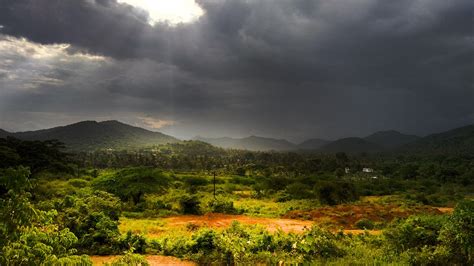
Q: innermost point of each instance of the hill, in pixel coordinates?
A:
(252, 143)
(312, 144)
(4, 133)
(391, 139)
(459, 141)
(350, 145)
(92, 135)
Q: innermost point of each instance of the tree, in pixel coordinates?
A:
(16, 211)
(458, 233)
(37, 155)
(27, 238)
(133, 183)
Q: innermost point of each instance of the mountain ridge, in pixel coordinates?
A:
(457, 140)
(390, 139)
(252, 143)
(351, 145)
(313, 144)
(93, 135)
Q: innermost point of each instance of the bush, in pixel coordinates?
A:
(190, 205)
(222, 206)
(458, 233)
(133, 241)
(414, 233)
(333, 193)
(299, 191)
(130, 259)
(249, 245)
(204, 241)
(78, 183)
(365, 224)
(93, 218)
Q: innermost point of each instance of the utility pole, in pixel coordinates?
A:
(214, 184)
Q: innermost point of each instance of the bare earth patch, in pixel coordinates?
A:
(445, 209)
(217, 220)
(152, 259)
(347, 215)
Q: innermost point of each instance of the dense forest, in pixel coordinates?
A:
(58, 207)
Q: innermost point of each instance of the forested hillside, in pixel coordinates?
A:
(91, 135)
(252, 143)
(456, 141)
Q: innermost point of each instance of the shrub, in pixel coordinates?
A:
(129, 259)
(333, 193)
(189, 205)
(299, 191)
(414, 233)
(40, 246)
(204, 241)
(78, 183)
(133, 241)
(222, 206)
(458, 233)
(365, 224)
(93, 218)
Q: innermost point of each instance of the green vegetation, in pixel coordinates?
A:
(58, 208)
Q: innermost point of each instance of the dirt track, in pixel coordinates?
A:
(215, 220)
(153, 260)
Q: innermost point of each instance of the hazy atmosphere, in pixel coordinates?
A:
(292, 69)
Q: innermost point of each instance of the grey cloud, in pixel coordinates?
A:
(322, 68)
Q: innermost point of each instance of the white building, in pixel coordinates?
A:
(367, 170)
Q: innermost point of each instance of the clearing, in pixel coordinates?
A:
(152, 259)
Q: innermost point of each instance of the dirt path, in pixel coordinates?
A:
(216, 220)
(359, 231)
(445, 209)
(152, 259)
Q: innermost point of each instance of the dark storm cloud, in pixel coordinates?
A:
(290, 68)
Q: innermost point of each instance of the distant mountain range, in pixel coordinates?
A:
(4, 133)
(252, 143)
(376, 142)
(91, 135)
(350, 145)
(391, 139)
(313, 144)
(459, 140)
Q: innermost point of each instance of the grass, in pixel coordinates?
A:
(270, 208)
(142, 226)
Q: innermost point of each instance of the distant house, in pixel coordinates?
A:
(367, 170)
(347, 170)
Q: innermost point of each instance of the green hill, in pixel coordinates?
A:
(92, 135)
(312, 144)
(350, 145)
(4, 133)
(459, 141)
(391, 139)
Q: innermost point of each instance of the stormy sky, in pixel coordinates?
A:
(292, 69)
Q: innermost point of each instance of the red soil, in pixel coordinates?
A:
(347, 215)
(215, 220)
(152, 259)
